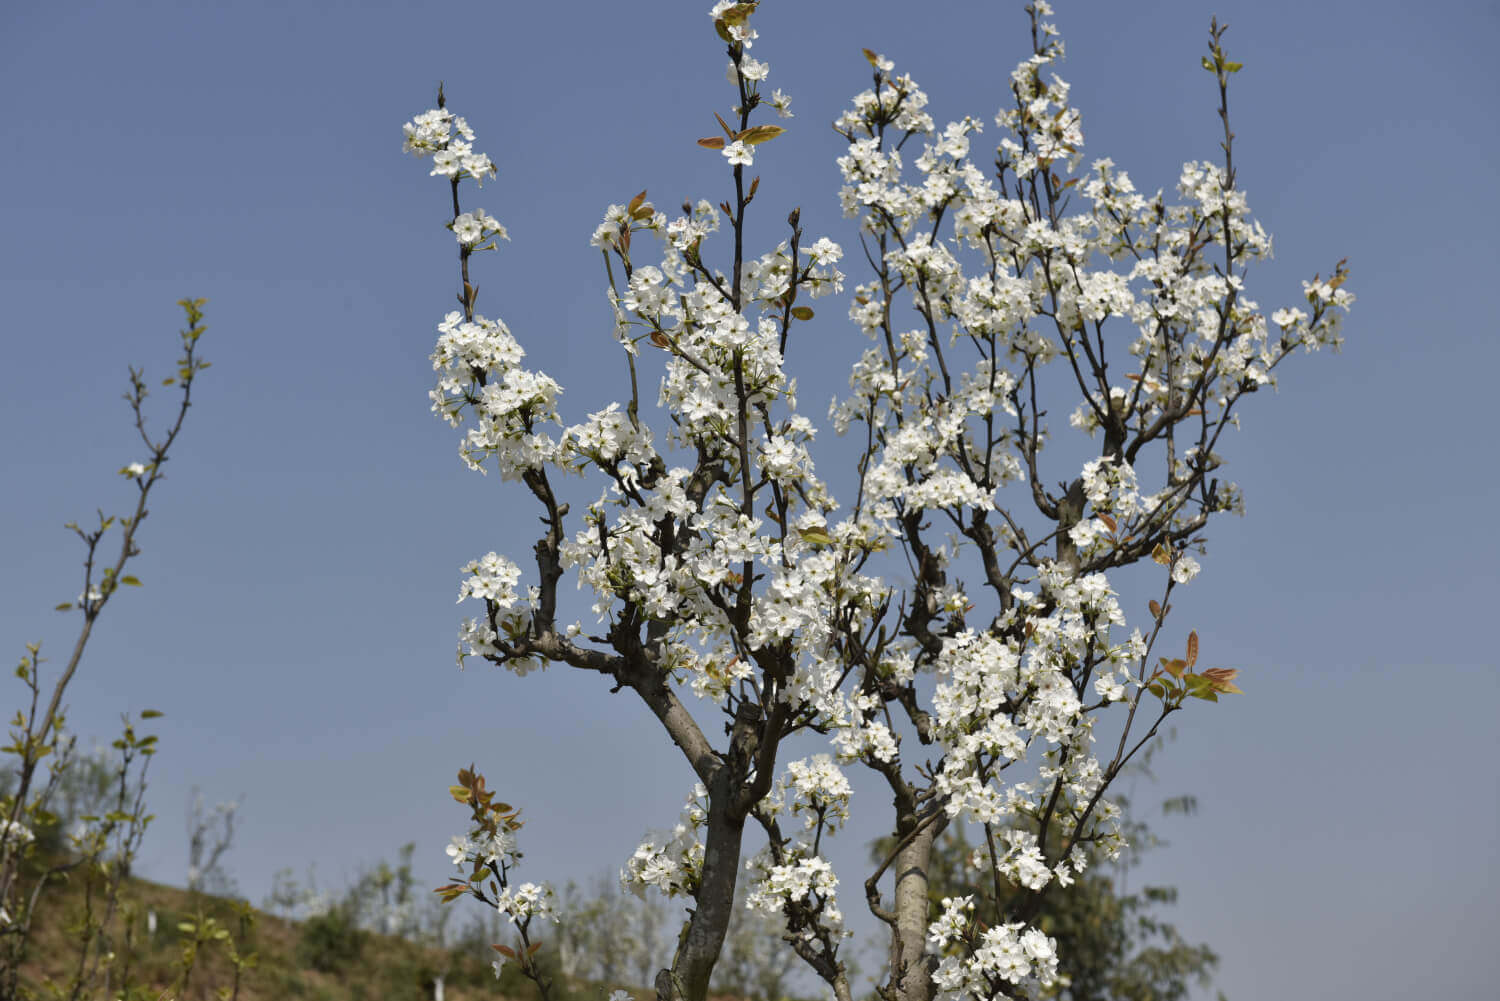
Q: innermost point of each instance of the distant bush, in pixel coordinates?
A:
(331, 941)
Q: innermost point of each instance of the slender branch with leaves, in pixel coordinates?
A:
(101, 848)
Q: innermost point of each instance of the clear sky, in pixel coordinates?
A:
(302, 559)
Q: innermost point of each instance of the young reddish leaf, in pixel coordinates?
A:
(636, 202)
(754, 186)
(871, 56)
(1107, 520)
(1155, 608)
(660, 339)
(1161, 554)
(533, 949)
(1222, 679)
(1175, 666)
(504, 950)
(724, 125)
(712, 142)
(1192, 648)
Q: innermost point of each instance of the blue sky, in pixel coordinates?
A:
(302, 559)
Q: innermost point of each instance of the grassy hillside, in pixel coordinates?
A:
(322, 959)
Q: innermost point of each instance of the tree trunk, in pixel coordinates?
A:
(911, 969)
(702, 941)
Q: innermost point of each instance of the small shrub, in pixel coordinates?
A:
(330, 941)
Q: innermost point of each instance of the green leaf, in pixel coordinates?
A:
(816, 536)
(1208, 65)
(65, 606)
(758, 134)
(130, 579)
(802, 312)
(150, 713)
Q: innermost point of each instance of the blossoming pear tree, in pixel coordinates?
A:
(947, 622)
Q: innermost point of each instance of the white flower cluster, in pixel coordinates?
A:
(494, 579)
(529, 900)
(803, 881)
(819, 791)
(511, 405)
(494, 849)
(671, 864)
(1007, 954)
(432, 133)
(739, 31)
(15, 833)
(471, 227)
(497, 850)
